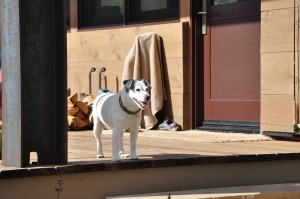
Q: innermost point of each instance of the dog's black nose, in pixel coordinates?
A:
(148, 98)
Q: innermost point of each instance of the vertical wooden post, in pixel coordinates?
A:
(34, 82)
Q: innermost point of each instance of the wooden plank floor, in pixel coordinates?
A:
(160, 144)
(164, 144)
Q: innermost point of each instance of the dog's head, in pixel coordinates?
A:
(138, 91)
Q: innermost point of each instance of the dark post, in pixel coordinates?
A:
(34, 81)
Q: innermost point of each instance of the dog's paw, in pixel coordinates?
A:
(100, 156)
(123, 155)
(134, 157)
(116, 159)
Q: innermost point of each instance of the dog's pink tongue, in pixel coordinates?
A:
(145, 104)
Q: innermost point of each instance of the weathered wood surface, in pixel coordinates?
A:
(160, 145)
(82, 145)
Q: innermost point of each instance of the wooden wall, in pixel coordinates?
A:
(277, 65)
(108, 47)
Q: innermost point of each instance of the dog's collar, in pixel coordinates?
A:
(126, 110)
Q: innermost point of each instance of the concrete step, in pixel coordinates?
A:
(272, 191)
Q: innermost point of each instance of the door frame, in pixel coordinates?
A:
(196, 66)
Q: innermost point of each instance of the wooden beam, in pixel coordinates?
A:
(34, 82)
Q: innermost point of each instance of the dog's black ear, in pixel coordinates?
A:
(129, 84)
(147, 83)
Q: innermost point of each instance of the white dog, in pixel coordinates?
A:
(121, 111)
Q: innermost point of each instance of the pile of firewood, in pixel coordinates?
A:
(80, 112)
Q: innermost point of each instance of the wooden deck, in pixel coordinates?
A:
(169, 161)
(165, 146)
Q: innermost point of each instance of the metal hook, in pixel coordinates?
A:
(93, 69)
(102, 70)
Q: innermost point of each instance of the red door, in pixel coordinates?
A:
(231, 60)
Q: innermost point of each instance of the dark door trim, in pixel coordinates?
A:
(196, 67)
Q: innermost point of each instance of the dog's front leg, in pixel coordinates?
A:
(116, 135)
(133, 139)
(122, 152)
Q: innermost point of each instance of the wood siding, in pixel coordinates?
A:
(108, 47)
(277, 65)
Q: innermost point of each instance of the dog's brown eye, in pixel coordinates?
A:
(147, 89)
(138, 90)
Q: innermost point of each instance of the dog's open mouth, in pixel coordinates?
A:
(142, 105)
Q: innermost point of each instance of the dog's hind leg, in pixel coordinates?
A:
(98, 127)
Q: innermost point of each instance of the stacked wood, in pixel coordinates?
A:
(80, 112)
